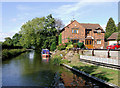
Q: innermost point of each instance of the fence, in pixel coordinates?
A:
(101, 60)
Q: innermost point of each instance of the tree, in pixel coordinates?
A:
(16, 39)
(8, 41)
(39, 32)
(53, 46)
(58, 24)
(118, 39)
(30, 32)
(110, 28)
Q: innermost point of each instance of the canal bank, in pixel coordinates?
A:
(104, 83)
(73, 59)
(29, 69)
(10, 53)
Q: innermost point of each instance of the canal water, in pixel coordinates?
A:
(29, 69)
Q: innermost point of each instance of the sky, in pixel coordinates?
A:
(15, 14)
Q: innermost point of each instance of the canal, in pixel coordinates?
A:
(29, 69)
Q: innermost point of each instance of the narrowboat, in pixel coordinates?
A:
(45, 53)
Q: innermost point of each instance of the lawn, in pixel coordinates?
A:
(107, 74)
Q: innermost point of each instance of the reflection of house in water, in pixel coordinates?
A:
(71, 79)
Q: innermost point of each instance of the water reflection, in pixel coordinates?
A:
(31, 55)
(29, 69)
(45, 59)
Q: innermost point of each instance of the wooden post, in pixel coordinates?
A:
(92, 52)
(82, 52)
(108, 53)
(78, 51)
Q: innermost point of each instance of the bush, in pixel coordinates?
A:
(81, 45)
(61, 47)
(53, 46)
(69, 47)
(7, 54)
(56, 60)
(65, 61)
(75, 45)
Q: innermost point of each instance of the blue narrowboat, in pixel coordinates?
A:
(45, 53)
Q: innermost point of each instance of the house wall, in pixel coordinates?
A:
(96, 37)
(67, 33)
(111, 42)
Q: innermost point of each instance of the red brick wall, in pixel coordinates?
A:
(99, 36)
(67, 33)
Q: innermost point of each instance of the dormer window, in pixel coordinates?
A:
(98, 31)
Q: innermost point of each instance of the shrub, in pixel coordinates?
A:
(56, 60)
(61, 47)
(75, 45)
(7, 54)
(69, 47)
(53, 46)
(81, 45)
(65, 61)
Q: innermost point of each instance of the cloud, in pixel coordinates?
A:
(68, 9)
(4, 35)
(71, 11)
(14, 20)
(23, 8)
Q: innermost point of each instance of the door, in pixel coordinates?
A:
(89, 43)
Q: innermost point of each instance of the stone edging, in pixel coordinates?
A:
(90, 76)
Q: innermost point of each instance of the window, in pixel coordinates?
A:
(89, 42)
(98, 41)
(98, 31)
(75, 40)
(74, 30)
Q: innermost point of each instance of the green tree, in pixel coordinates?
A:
(60, 39)
(31, 31)
(110, 28)
(8, 41)
(118, 39)
(16, 39)
(39, 32)
(53, 46)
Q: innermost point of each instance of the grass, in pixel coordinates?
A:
(106, 74)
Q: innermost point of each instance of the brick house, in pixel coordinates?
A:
(91, 34)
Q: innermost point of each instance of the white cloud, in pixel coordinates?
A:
(23, 8)
(4, 35)
(68, 9)
(14, 20)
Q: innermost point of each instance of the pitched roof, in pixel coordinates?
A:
(91, 26)
(114, 36)
(88, 26)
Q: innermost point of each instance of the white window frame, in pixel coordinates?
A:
(98, 41)
(73, 31)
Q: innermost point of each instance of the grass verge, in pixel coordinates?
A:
(109, 75)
